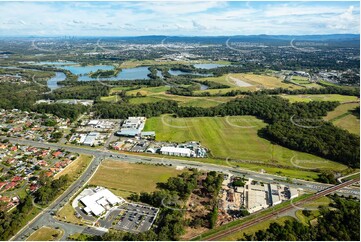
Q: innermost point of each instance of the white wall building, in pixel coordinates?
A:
(185, 152)
(90, 138)
(101, 200)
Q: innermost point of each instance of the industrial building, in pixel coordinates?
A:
(147, 135)
(274, 194)
(90, 138)
(167, 150)
(99, 201)
(256, 197)
(133, 126)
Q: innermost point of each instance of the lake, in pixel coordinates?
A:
(208, 66)
(179, 72)
(135, 73)
(52, 63)
(83, 71)
(53, 82)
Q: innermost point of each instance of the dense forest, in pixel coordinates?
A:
(125, 110)
(341, 222)
(351, 91)
(20, 96)
(71, 111)
(91, 91)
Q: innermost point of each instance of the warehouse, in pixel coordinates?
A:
(99, 201)
(256, 197)
(274, 194)
(147, 135)
(128, 132)
(185, 152)
(132, 127)
(90, 138)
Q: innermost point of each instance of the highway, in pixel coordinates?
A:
(46, 217)
(166, 160)
(330, 190)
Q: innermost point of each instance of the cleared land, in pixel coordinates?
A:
(247, 81)
(46, 234)
(154, 94)
(304, 81)
(319, 97)
(124, 178)
(342, 118)
(66, 213)
(76, 168)
(235, 138)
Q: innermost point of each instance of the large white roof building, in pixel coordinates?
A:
(97, 202)
(176, 151)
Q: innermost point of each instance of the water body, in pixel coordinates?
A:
(53, 82)
(179, 73)
(84, 70)
(208, 66)
(204, 87)
(159, 74)
(135, 73)
(8, 75)
(56, 63)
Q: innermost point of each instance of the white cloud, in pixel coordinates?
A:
(178, 18)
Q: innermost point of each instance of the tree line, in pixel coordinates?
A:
(341, 222)
(297, 126)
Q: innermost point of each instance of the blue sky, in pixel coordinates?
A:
(178, 18)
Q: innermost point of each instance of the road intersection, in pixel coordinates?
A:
(46, 216)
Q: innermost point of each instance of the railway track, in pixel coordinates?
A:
(282, 210)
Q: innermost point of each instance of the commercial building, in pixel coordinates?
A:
(93, 122)
(147, 135)
(90, 138)
(256, 197)
(99, 201)
(133, 126)
(185, 152)
(274, 194)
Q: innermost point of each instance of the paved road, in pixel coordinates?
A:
(132, 158)
(45, 217)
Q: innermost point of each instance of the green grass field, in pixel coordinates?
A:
(304, 81)
(319, 97)
(123, 178)
(183, 101)
(148, 90)
(46, 234)
(327, 83)
(323, 201)
(253, 229)
(342, 118)
(235, 138)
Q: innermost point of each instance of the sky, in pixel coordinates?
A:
(204, 18)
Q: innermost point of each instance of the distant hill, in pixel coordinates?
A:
(337, 39)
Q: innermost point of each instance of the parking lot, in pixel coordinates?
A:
(131, 217)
